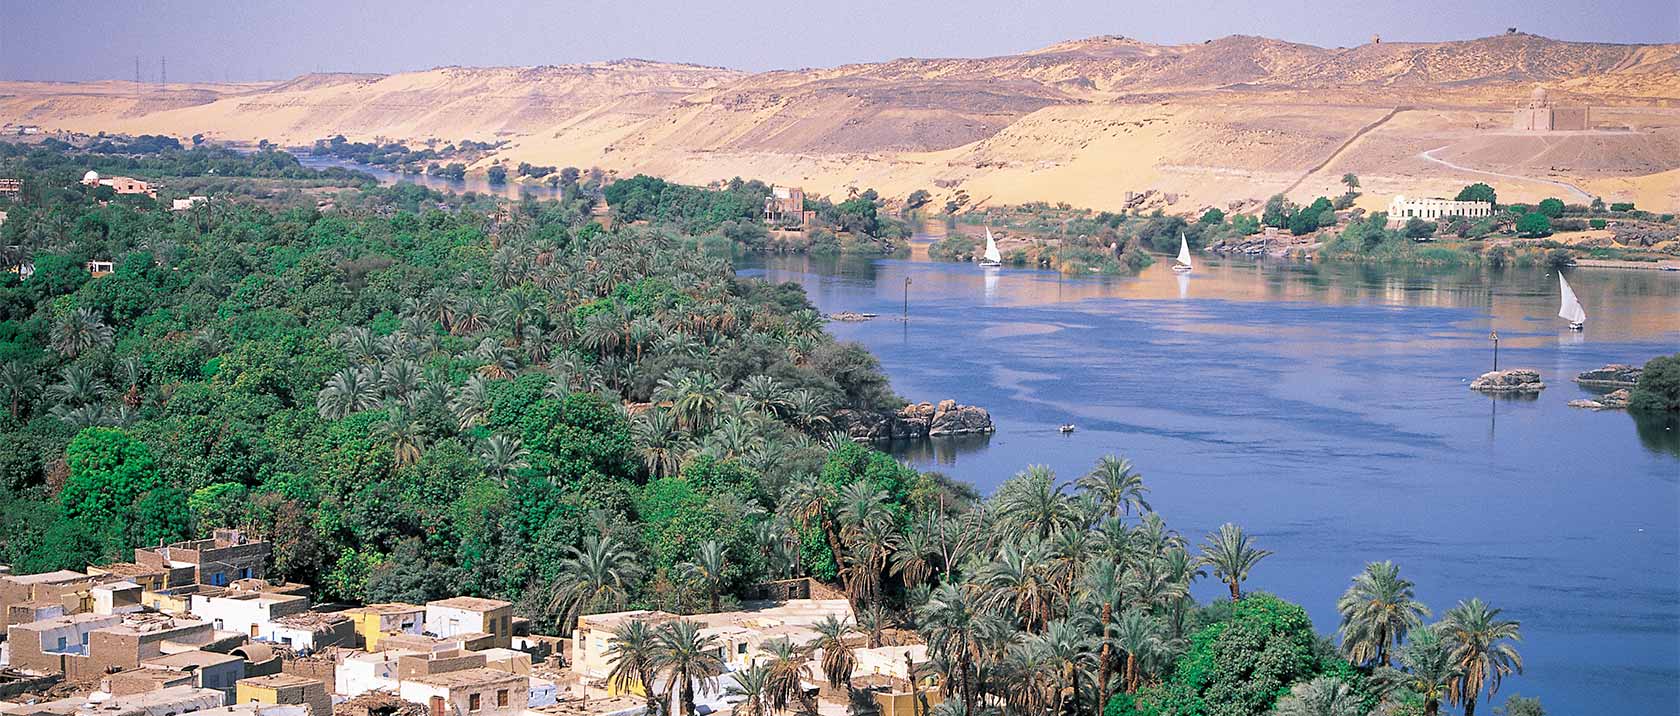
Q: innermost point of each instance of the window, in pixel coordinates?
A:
(473, 703)
(741, 648)
(244, 572)
(62, 644)
(501, 697)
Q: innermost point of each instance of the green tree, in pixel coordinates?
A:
(1658, 389)
(1534, 224)
(1551, 207)
(633, 650)
(1430, 669)
(1519, 705)
(1478, 192)
(496, 174)
(108, 471)
(1212, 217)
(596, 578)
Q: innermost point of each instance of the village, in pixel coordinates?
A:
(194, 627)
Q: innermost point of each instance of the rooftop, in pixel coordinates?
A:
(280, 681)
(611, 620)
(386, 608)
(63, 575)
(128, 569)
(70, 620)
(468, 677)
(475, 604)
(311, 620)
(194, 658)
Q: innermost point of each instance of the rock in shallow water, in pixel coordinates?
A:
(1515, 380)
(1615, 375)
(1615, 400)
(917, 420)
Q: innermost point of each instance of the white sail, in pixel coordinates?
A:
(1571, 308)
(1183, 251)
(992, 253)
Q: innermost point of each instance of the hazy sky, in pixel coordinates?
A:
(266, 39)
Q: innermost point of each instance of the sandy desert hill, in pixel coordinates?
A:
(1221, 122)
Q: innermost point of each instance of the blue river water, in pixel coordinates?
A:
(1326, 409)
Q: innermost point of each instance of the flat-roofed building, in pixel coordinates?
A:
(1401, 209)
(207, 669)
(246, 612)
(87, 646)
(285, 689)
(65, 587)
(593, 636)
(375, 622)
(462, 615)
(469, 692)
(218, 561)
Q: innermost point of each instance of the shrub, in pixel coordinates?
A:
(1569, 225)
(1500, 256)
(1559, 258)
(1598, 223)
(1213, 217)
(1552, 208)
(1419, 229)
(1622, 206)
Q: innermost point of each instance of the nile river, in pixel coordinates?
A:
(1326, 409)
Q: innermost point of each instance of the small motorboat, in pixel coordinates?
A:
(1067, 428)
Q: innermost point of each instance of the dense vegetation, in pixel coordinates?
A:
(1658, 390)
(731, 212)
(415, 395)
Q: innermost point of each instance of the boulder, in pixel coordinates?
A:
(1515, 380)
(952, 419)
(1615, 375)
(913, 421)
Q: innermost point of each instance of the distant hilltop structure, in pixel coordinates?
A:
(1400, 209)
(1540, 116)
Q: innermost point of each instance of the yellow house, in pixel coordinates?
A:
(285, 689)
(374, 622)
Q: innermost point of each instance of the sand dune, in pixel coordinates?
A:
(1084, 121)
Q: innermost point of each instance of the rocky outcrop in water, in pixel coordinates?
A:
(1615, 375)
(1515, 380)
(1615, 400)
(850, 316)
(917, 420)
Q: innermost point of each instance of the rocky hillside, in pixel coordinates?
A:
(1229, 119)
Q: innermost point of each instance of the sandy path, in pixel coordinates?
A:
(1571, 188)
(1343, 149)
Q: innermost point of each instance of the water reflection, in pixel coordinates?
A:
(1658, 433)
(938, 451)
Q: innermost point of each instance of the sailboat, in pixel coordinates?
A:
(1571, 309)
(993, 257)
(1182, 265)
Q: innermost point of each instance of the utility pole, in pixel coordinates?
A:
(906, 299)
(1494, 336)
(163, 73)
(137, 77)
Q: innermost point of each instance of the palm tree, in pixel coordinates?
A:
(659, 442)
(1323, 696)
(1117, 487)
(77, 386)
(348, 391)
(1139, 636)
(912, 561)
(1032, 502)
(753, 685)
(685, 657)
(1377, 610)
(1480, 646)
(951, 622)
(1430, 669)
(80, 331)
(1231, 556)
(788, 672)
(502, 456)
(405, 434)
(838, 660)
(872, 621)
(1101, 586)
(632, 649)
(707, 568)
(593, 579)
(19, 384)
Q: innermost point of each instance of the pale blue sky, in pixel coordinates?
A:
(252, 39)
